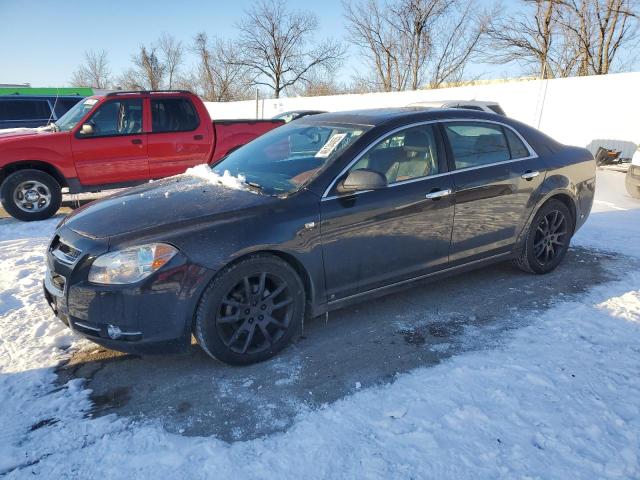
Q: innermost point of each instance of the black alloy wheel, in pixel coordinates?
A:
(551, 237)
(548, 238)
(250, 311)
(255, 313)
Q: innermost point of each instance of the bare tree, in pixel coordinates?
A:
(219, 77)
(278, 46)
(407, 41)
(318, 85)
(526, 38)
(173, 55)
(376, 39)
(598, 30)
(94, 72)
(149, 70)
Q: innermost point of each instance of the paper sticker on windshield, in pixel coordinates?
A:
(91, 101)
(331, 145)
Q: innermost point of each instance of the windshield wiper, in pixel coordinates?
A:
(255, 186)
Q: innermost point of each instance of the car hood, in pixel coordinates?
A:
(175, 202)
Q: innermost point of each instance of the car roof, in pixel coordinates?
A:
(436, 103)
(378, 116)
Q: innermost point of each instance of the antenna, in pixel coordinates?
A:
(53, 109)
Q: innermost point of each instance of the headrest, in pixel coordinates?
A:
(416, 140)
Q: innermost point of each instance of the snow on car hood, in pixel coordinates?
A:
(175, 200)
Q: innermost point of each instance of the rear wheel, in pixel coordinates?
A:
(250, 311)
(30, 195)
(548, 238)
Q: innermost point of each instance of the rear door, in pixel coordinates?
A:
(116, 151)
(374, 238)
(179, 139)
(496, 178)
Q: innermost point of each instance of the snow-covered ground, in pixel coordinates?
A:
(560, 398)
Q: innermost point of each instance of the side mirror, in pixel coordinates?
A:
(86, 129)
(362, 179)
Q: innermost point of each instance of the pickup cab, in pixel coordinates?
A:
(111, 141)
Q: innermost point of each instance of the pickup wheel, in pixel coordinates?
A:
(250, 311)
(30, 195)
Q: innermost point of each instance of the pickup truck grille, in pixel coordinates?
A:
(63, 252)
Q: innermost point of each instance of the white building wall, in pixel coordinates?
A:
(585, 111)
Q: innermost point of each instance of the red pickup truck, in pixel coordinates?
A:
(119, 139)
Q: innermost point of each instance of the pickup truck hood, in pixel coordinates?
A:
(13, 133)
(171, 203)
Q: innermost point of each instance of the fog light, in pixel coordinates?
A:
(114, 332)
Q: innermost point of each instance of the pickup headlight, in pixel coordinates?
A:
(131, 264)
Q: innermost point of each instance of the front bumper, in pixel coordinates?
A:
(151, 316)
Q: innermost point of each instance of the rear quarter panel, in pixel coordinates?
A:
(571, 171)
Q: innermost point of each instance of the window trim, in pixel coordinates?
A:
(195, 110)
(532, 154)
(95, 110)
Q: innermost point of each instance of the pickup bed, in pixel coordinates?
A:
(111, 141)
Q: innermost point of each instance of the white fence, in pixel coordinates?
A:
(585, 111)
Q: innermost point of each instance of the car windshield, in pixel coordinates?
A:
(288, 157)
(70, 119)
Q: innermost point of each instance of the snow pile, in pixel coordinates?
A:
(559, 399)
(205, 172)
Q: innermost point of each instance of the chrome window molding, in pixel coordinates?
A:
(532, 154)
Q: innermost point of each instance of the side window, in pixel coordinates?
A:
(517, 148)
(25, 110)
(173, 115)
(404, 155)
(475, 144)
(119, 117)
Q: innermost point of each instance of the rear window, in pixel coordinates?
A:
(173, 115)
(518, 149)
(475, 144)
(24, 110)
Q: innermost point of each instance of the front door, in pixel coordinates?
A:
(115, 151)
(374, 238)
(495, 179)
(178, 138)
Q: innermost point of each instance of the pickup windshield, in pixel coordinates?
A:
(70, 119)
(288, 157)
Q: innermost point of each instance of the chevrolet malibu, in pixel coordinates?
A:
(329, 210)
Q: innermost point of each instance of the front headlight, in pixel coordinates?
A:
(131, 264)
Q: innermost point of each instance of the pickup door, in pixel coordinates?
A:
(116, 150)
(179, 138)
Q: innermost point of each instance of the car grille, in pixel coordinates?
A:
(63, 252)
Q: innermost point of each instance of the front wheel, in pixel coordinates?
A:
(250, 311)
(547, 240)
(30, 195)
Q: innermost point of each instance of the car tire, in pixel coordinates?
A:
(633, 187)
(250, 311)
(30, 195)
(547, 239)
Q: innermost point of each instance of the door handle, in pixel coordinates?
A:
(198, 137)
(137, 141)
(438, 194)
(529, 175)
